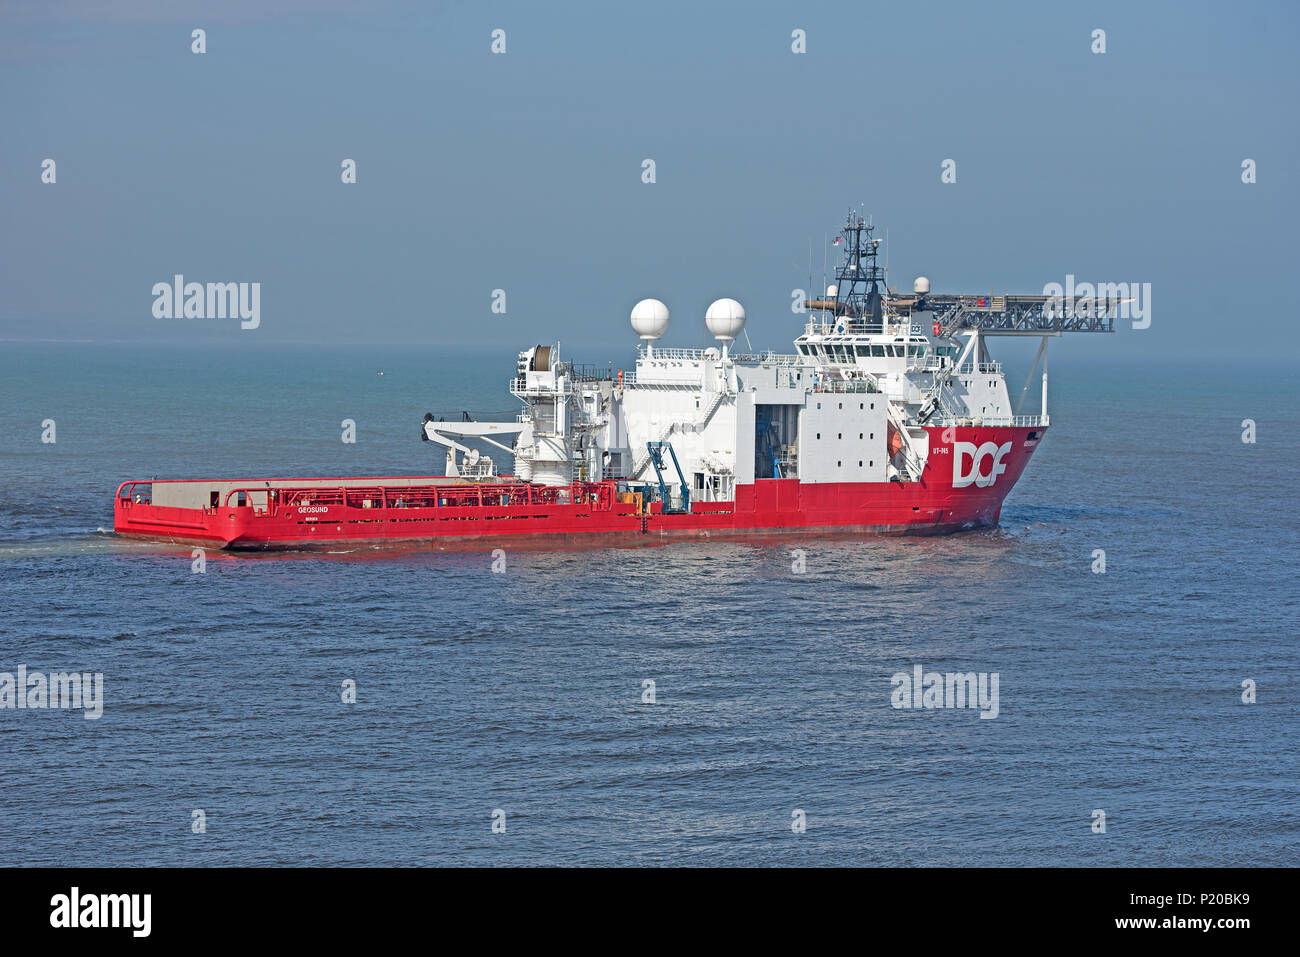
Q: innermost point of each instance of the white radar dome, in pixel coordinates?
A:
(649, 318)
(832, 291)
(725, 318)
(922, 286)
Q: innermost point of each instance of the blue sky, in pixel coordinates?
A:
(523, 171)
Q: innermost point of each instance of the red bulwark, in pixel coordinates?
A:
(966, 478)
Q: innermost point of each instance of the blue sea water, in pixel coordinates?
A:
(522, 691)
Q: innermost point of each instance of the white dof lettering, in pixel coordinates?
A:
(961, 477)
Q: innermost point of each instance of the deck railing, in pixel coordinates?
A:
(985, 421)
(846, 385)
(362, 498)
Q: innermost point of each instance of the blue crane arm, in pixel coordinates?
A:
(656, 450)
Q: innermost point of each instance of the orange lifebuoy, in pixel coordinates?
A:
(620, 378)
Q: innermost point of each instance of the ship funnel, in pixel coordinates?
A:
(724, 319)
(649, 321)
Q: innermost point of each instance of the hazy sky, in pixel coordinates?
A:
(523, 171)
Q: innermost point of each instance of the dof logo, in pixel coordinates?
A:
(962, 477)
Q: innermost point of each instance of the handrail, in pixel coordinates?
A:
(128, 496)
(428, 496)
(987, 421)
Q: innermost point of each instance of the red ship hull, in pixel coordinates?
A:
(287, 514)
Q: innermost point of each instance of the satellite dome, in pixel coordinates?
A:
(832, 291)
(922, 286)
(649, 318)
(725, 318)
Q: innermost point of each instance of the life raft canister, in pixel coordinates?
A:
(895, 441)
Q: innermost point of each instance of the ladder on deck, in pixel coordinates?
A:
(644, 460)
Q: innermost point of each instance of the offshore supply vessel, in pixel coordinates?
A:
(889, 416)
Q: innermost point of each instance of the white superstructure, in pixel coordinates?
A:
(851, 404)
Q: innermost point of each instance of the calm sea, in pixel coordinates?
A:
(522, 692)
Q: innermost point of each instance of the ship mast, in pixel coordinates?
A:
(860, 279)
